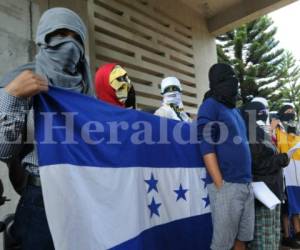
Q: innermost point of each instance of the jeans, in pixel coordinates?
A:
(30, 227)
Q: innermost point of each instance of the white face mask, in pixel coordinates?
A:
(173, 98)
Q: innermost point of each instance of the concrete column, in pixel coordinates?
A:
(15, 30)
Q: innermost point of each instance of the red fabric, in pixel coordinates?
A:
(104, 90)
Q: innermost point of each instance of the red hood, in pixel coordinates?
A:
(104, 90)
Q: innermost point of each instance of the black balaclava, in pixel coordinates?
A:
(288, 119)
(259, 107)
(223, 85)
(255, 107)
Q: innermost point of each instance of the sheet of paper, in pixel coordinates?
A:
(265, 195)
(293, 150)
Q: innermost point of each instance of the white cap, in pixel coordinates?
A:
(261, 100)
(170, 81)
(289, 104)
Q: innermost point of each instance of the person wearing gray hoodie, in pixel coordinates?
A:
(59, 62)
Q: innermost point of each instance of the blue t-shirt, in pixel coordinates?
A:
(222, 131)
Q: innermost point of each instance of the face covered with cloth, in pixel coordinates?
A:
(223, 85)
(61, 58)
(287, 116)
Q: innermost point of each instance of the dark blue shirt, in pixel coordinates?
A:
(222, 131)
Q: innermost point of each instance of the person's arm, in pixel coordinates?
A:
(264, 164)
(206, 135)
(274, 124)
(13, 113)
(213, 169)
(14, 106)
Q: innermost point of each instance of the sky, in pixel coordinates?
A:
(287, 20)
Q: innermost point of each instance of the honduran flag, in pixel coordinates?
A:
(119, 179)
(285, 142)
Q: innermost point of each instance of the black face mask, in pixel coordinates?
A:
(262, 117)
(224, 84)
(227, 92)
(287, 117)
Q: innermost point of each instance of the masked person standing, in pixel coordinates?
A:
(265, 125)
(112, 85)
(60, 62)
(225, 150)
(267, 165)
(286, 138)
(172, 106)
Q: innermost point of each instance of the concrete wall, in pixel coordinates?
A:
(18, 21)
(15, 34)
(153, 39)
(204, 47)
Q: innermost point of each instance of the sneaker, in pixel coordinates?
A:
(290, 242)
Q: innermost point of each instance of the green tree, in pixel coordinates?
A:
(290, 90)
(253, 52)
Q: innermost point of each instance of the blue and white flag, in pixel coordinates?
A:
(119, 179)
(292, 181)
(285, 142)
